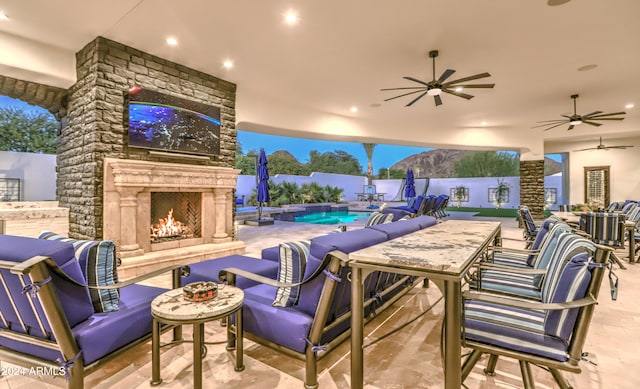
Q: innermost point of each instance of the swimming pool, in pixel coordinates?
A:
(332, 217)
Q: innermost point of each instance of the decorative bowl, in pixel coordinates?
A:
(200, 291)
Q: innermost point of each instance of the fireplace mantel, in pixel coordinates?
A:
(128, 185)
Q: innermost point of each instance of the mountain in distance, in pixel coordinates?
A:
(441, 162)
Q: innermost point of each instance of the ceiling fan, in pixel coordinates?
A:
(436, 87)
(576, 119)
(603, 147)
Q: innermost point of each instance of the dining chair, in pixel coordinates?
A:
(549, 332)
(605, 228)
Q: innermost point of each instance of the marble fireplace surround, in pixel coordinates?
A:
(128, 185)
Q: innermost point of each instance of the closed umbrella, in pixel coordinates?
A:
(263, 182)
(410, 185)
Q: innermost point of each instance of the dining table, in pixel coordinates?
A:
(443, 253)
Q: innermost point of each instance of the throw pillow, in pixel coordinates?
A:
(98, 263)
(378, 218)
(293, 263)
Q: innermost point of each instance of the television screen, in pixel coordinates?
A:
(164, 122)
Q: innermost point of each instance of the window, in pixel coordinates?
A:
(9, 189)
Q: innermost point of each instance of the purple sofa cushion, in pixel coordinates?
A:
(271, 253)
(425, 221)
(104, 333)
(208, 270)
(286, 326)
(347, 242)
(74, 298)
(397, 213)
(396, 229)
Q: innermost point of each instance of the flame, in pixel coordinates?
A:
(169, 227)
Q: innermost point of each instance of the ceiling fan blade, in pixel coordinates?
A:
(591, 114)
(404, 94)
(571, 127)
(597, 118)
(551, 121)
(476, 86)
(459, 94)
(447, 73)
(416, 99)
(608, 114)
(407, 87)
(552, 125)
(474, 77)
(592, 123)
(566, 116)
(415, 80)
(438, 100)
(589, 148)
(619, 147)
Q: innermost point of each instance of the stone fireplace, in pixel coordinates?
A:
(142, 194)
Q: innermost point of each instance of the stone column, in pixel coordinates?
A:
(220, 235)
(532, 187)
(129, 246)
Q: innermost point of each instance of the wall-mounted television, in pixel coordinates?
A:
(162, 122)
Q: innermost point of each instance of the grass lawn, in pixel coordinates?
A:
(489, 212)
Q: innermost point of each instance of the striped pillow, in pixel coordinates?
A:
(98, 263)
(378, 218)
(293, 262)
(572, 286)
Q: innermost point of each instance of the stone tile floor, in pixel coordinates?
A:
(408, 359)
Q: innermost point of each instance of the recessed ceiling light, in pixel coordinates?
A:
(354, 109)
(171, 41)
(458, 89)
(553, 3)
(228, 64)
(587, 67)
(629, 106)
(291, 17)
(3, 16)
(483, 124)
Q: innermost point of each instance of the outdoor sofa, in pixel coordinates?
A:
(314, 316)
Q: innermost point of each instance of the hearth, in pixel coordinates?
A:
(175, 215)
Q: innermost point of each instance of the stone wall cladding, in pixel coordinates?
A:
(532, 187)
(48, 97)
(95, 126)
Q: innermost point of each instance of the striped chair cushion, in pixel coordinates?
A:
(411, 202)
(293, 262)
(511, 328)
(506, 282)
(604, 228)
(568, 247)
(548, 246)
(530, 227)
(378, 218)
(571, 286)
(98, 262)
(613, 206)
(628, 207)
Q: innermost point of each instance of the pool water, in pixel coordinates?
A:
(332, 217)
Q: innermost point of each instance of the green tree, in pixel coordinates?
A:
(488, 164)
(386, 173)
(283, 162)
(247, 163)
(27, 131)
(337, 161)
(368, 148)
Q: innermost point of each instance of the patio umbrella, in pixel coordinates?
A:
(410, 185)
(263, 182)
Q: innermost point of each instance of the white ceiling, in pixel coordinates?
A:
(303, 79)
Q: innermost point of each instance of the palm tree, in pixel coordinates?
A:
(368, 148)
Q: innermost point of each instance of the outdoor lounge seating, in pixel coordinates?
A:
(605, 228)
(47, 317)
(549, 332)
(320, 319)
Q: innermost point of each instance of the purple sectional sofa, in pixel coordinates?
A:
(321, 318)
(48, 318)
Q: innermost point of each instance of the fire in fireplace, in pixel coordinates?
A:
(168, 229)
(175, 215)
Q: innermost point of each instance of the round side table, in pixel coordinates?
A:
(171, 308)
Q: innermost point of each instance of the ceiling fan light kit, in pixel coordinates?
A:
(576, 119)
(436, 87)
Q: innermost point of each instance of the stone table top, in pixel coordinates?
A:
(172, 306)
(447, 247)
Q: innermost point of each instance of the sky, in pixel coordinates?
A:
(384, 155)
